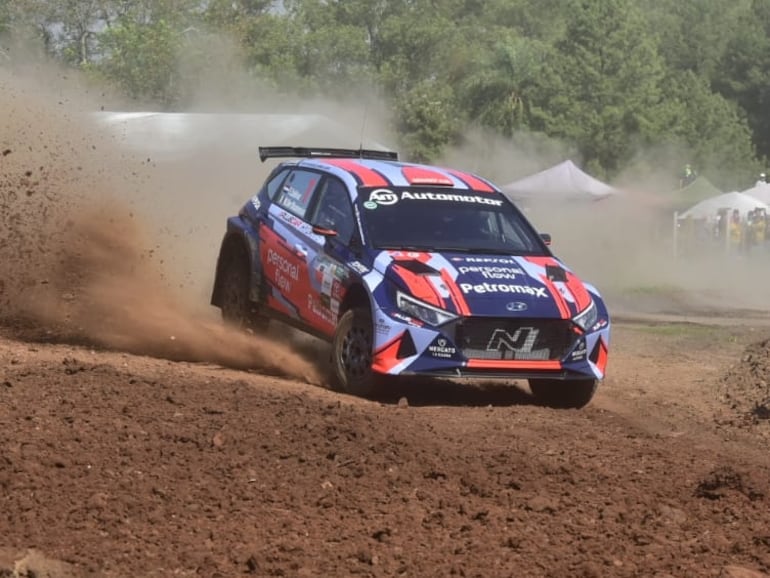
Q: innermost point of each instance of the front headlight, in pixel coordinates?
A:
(586, 318)
(422, 311)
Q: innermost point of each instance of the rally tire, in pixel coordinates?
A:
(564, 394)
(352, 354)
(237, 308)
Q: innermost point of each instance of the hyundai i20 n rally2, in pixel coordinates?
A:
(409, 269)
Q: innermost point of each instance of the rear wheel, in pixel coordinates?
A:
(352, 353)
(572, 393)
(237, 307)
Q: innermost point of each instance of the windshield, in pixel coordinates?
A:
(447, 220)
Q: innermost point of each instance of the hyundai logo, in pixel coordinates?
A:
(516, 306)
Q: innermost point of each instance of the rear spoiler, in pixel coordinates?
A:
(309, 152)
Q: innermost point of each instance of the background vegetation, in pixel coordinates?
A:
(611, 78)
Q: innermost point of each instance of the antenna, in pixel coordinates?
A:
(363, 124)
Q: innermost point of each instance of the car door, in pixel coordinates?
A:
(329, 249)
(284, 244)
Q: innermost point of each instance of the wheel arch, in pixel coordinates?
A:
(356, 296)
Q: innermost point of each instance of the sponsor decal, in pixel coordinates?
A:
(285, 271)
(580, 351)
(383, 197)
(406, 319)
(256, 202)
(282, 264)
(287, 217)
(359, 267)
(482, 288)
(492, 271)
(382, 327)
(515, 306)
(442, 349)
(386, 197)
(319, 310)
(599, 325)
(487, 260)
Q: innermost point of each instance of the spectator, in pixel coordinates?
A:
(736, 232)
(688, 176)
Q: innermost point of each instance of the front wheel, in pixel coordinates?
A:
(572, 393)
(352, 353)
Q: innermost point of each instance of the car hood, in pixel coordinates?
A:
(487, 285)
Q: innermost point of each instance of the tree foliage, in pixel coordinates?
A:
(608, 78)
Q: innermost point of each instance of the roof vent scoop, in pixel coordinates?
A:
(423, 176)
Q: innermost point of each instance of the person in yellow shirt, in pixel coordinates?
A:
(735, 230)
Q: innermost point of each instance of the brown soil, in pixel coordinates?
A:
(140, 437)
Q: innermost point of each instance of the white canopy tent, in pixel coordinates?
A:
(760, 191)
(564, 181)
(704, 219)
(709, 208)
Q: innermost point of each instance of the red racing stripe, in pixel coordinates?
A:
(474, 183)
(419, 287)
(457, 296)
(385, 358)
(367, 176)
(601, 360)
(511, 364)
(576, 287)
(557, 297)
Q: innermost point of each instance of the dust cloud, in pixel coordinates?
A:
(80, 261)
(625, 245)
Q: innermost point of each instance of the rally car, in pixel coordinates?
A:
(409, 269)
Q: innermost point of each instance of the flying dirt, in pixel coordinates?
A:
(77, 266)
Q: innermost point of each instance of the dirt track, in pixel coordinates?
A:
(125, 465)
(139, 437)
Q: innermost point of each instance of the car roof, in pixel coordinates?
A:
(387, 173)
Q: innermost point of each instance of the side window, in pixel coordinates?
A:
(297, 191)
(275, 182)
(334, 210)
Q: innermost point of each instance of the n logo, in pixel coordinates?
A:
(520, 341)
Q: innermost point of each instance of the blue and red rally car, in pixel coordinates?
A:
(410, 269)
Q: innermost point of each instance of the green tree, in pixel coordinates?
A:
(600, 88)
(334, 53)
(492, 90)
(141, 59)
(426, 119)
(692, 35)
(707, 125)
(5, 17)
(743, 72)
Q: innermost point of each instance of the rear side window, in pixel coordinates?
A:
(275, 182)
(297, 191)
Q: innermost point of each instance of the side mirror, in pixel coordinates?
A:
(546, 237)
(325, 232)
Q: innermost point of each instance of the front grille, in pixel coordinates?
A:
(515, 339)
